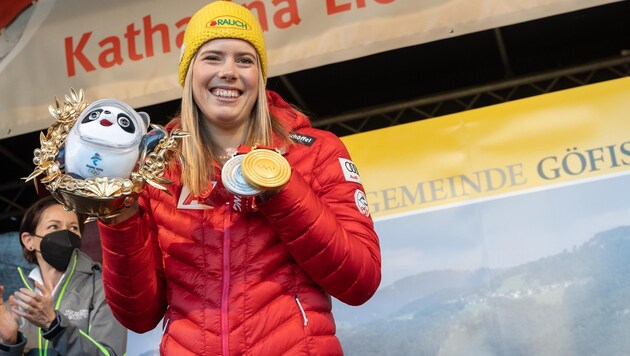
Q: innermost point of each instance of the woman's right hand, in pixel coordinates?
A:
(8, 321)
(123, 214)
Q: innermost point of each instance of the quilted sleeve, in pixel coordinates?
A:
(133, 276)
(327, 225)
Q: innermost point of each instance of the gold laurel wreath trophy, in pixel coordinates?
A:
(98, 196)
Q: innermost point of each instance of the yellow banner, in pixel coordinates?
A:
(522, 145)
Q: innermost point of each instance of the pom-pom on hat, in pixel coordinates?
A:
(221, 19)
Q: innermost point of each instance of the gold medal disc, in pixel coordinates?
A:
(265, 168)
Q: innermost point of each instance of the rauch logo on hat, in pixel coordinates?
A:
(230, 22)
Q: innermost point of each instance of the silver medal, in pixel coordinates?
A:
(233, 179)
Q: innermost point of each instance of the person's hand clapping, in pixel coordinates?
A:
(8, 321)
(36, 308)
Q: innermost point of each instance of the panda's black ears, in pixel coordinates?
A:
(145, 117)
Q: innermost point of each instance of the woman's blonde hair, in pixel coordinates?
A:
(197, 150)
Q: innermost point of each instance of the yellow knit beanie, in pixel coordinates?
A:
(221, 19)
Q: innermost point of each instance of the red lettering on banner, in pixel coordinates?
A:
(130, 35)
(258, 7)
(113, 51)
(179, 40)
(333, 8)
(148, 36)
(72, 53)
(285, 15)
(283, 18)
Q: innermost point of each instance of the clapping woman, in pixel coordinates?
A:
(61, 310)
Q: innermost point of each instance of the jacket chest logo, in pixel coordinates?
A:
(187, 201)
(76, 315)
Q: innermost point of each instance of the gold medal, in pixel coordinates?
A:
(265, 168)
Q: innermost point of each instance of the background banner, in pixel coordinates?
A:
(513, 148)
(129, 50)
(504, 230)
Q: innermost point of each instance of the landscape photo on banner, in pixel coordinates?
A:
(504, 230)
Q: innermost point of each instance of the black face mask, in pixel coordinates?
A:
(57, 247)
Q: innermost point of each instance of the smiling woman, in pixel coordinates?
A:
(225, 86)
(261, 215)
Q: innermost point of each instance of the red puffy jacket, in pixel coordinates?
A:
(255, 283)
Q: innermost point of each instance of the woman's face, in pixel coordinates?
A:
(225, 83)
(53, 218)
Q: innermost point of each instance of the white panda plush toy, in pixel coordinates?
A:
(105, 140)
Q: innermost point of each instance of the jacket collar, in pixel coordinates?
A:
(84, 264)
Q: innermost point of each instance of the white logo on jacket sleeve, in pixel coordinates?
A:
(350, 171)
(361, 201)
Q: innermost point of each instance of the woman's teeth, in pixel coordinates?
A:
(225, 93)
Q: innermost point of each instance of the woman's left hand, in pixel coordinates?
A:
(38, 309)
(8, 321)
